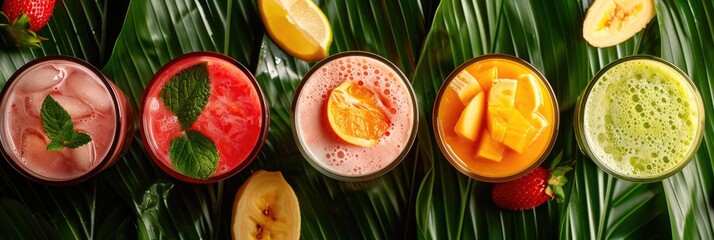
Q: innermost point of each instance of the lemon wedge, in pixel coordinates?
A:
(298, 26)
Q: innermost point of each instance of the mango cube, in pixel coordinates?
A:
(528, 94)
(490, 149)
(498, 122)
(519, 132)
(485, 77)
(539, 124)
(465, 86)
(470, 121)
(502, 93)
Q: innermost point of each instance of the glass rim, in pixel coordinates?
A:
(106, 160)
(584, 145)
(451, 157)
(407, 146)
(263, 128)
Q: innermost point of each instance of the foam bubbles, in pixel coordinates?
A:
(632, 125)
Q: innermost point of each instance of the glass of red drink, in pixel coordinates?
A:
(203, 117)
(95, 105)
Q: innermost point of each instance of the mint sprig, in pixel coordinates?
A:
(186, 95)
(59, 127)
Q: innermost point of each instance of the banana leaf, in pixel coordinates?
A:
(424, 197)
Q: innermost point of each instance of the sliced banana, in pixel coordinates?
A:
(266, 207)
(610, 22)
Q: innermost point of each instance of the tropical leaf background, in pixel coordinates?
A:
(424, 197)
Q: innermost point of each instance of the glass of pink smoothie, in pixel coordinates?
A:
(96, 107)
(223, 132)
(393, 96)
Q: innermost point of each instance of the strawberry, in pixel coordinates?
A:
(531, 190)
(22, 18)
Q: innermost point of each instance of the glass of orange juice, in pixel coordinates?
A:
(495, 118)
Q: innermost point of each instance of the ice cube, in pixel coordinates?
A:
(34, 147)
(32, 104)
(83, 157)
(91, 91)
(75, 107)
(43, 78)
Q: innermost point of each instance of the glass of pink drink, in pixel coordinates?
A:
(96, 106)
(316, 138)
(234, 117)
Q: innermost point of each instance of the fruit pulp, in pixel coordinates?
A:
(89, 103)
(493, 161)
(641, 119)
(321, 145)
(233, 117)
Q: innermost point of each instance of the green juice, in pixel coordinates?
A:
(641, 119)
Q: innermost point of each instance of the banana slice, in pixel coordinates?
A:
(610, 22)
(266, 207)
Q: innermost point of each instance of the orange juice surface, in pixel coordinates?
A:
(468, 153)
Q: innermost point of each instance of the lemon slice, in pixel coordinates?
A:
(298, 26)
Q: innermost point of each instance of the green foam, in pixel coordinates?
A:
(641, 118)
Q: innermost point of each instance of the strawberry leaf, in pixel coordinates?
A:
(556, 182)
(22, 21)
(20, 33)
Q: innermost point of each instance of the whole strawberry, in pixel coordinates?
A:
(22, 18)
(531, 190)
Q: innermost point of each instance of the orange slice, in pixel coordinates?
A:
(355, 115)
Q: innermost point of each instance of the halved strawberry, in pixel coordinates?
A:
(22, 18)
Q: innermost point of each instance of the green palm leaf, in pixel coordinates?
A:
(687, 38)
(424, 196)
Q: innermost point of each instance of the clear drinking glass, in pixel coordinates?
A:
(316, 139)
(640, 119)
(235, 118)
(463, 154)
(97, 107)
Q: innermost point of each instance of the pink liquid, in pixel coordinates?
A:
(232, 119)
(83, 94)
(323, 146)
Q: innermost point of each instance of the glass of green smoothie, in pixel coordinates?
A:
(640, 119)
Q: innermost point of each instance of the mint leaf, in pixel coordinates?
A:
(186, 94)
(59, 127)
(55, 120)
(54, 146)
(194, 155)
(78, 140)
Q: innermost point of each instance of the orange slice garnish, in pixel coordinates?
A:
(355, 115)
